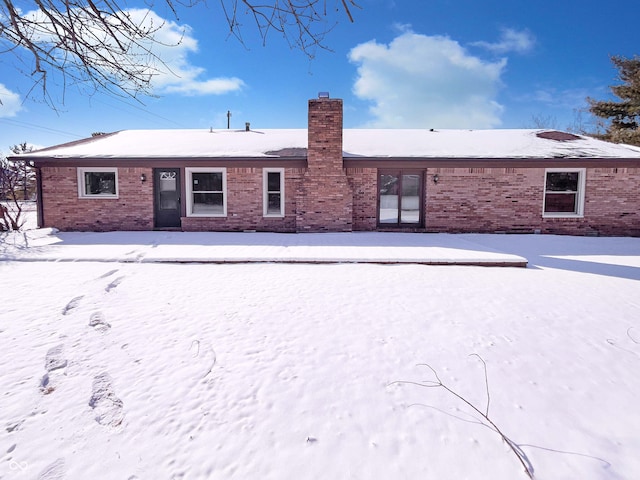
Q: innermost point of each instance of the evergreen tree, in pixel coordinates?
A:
(623, 116)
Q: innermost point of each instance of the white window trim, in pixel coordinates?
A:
(582, 174)
(265, 192)
(81, 185)
(188, 189)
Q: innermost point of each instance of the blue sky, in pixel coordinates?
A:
(402, 64)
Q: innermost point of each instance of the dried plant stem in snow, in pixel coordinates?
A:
(522, 458)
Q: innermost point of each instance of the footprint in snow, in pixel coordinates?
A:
(107, 407)
(54, 359)
(113, 284)
(108, 274)
(54, 363)
(98, 321)
(13, 426)
(72, 304)
(54, 471)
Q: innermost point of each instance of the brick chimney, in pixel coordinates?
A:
(325, 200)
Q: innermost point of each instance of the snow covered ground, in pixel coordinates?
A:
(112, 370)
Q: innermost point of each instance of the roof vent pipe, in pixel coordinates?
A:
(247, 126)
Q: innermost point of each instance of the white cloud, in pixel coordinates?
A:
(10, 103)
(164, 59)
(178, 75)
(215, 86)
(420, 81)
(510, 41)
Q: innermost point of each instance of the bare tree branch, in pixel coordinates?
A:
(102, 45)
(16, 186)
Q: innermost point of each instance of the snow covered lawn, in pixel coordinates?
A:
(294, 371)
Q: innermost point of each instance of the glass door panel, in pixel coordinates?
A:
(168, 189)
(389, 187)
(410, 205)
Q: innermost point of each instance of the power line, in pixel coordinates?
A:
(18, 123)
(144, 110)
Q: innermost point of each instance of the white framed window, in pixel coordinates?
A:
(564, 192)
(206, 192)
(98, 182)
(273, 192)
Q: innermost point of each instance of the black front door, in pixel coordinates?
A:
(166, 187)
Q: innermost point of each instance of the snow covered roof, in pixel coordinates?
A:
(368, 143)
(181, 144)
(479, 144)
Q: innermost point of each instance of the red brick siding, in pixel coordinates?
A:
(324, 204)
(612, 201)
(325, 201)
(245, 204)
(484, 200)
(63, 209)
(133, 210)
(363, 183)
(511, 200)
(325, 134)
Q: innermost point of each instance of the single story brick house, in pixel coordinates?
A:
(329, 179)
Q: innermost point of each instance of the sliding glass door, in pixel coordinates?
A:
(400, 198)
